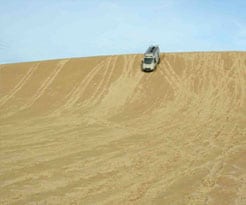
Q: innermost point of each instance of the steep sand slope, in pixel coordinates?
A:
(99, 131)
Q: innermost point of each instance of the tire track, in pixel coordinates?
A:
(129, 65)
(19, 85)
(120, 92)
(78, 90)
(163, 74)
(133, 80)
(1, 67)
(171, 76)
(77, 93)
(183, 86)
(241, 83)
(181, 91)
(93, 99)
(198, 75)
(107, 81)
(48, 81)
(126, 66)
(219, 89)
(132, 60)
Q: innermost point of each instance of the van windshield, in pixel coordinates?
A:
(148, 60)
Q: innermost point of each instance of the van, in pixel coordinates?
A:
(151, 59)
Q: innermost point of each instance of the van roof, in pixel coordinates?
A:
(151, 49)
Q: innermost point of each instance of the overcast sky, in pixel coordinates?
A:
(50, 29)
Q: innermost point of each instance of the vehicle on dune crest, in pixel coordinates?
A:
(151, 59)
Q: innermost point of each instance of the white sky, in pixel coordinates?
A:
(49, 29)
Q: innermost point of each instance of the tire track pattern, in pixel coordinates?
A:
(77, 91)
(47, 83)
(188, 150)
(106, 83)
(19, 85)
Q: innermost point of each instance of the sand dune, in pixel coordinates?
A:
(99, 131)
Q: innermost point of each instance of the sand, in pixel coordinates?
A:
(99, 131)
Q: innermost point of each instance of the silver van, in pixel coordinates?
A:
(151, 59)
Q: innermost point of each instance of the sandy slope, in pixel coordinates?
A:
(99, 131)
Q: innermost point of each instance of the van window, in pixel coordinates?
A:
(148, 60)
